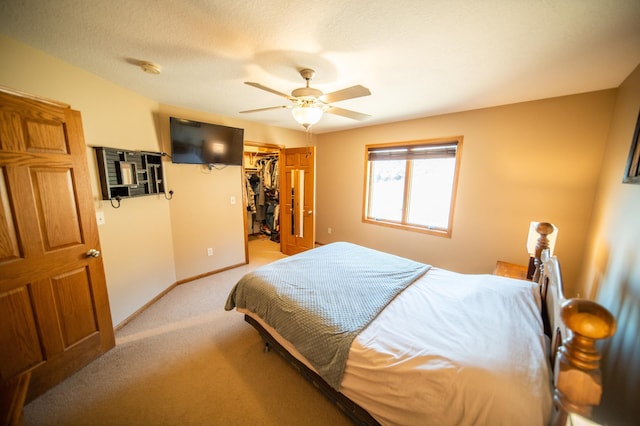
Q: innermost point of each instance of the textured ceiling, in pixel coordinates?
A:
(418, 58)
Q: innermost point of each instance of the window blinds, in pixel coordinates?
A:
(413, 152)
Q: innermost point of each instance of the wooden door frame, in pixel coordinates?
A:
(270, 146)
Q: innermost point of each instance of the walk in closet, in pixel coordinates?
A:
(262, 186)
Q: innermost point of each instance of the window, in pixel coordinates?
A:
(412, 185)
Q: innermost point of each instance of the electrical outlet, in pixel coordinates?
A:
(329, 231)
(209, 251)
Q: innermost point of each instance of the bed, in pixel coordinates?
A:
(398, 342)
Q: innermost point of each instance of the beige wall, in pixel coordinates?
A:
(136, 240)
(529, 161)
(611, 270)
(149, 242)
(202, 215)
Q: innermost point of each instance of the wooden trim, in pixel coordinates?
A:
(13, 394)
(206, 274)
(245, 223)
(268, 146)
(408, 170)
(31, 97)
(454, 188)
(437, 232)
(632, 171)
(168, 289)
(366, 187)
(144, 307)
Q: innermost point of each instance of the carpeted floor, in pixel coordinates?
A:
(186, 361)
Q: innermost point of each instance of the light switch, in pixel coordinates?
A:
(233, 200)
(100, 218)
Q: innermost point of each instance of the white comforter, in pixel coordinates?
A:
(454, 349)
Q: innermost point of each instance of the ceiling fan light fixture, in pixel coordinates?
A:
(307, 114)
(309, 103)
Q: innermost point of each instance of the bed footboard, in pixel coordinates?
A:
(356, 413)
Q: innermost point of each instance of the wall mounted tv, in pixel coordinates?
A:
(194, 142)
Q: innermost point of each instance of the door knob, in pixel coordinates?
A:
(309, 212)
(93, 253)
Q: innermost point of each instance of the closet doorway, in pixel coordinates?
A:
(261, 199)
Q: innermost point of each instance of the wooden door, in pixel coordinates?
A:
(55, 315)
(297, 199)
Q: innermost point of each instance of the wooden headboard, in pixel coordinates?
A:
(550, 280)
(573, 326)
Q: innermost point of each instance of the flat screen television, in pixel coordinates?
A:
(194, 142)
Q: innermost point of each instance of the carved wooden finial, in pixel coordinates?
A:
(577, 370)
(544, 229)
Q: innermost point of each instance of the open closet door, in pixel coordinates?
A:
(297, 199)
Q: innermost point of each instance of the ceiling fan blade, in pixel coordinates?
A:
(347, 113)
(265, 109)
(344, 94)
(275, 92)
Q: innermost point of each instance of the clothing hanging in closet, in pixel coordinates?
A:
(263, 190)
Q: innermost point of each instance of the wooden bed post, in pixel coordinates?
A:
(577, 377)
(544, 229)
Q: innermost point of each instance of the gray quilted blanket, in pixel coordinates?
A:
(319, 300)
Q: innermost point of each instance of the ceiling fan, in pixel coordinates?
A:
(308, 104)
